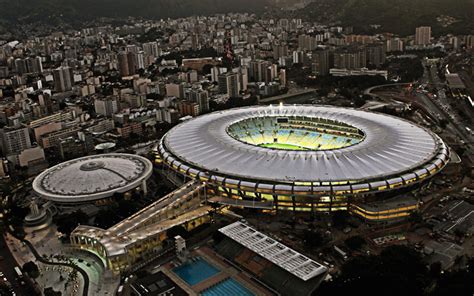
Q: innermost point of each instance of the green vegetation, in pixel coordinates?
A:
(282, 146)
(340, 219)
(314, 238)
(233, 102)
(31, 269)
(398, 270)
(55, 12)
(67, 222)
(407, 69)
(303, 78)
(355, 242)
(399, 16)
(51, 292)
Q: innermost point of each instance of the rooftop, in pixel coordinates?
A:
(454, 81)
(92, 177)
(274, 251)
(391, 147)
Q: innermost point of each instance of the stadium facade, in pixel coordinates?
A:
(305, 158)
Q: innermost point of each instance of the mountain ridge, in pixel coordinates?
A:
(397, 16)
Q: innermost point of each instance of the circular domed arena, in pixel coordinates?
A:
(303, 158)
(92, 178)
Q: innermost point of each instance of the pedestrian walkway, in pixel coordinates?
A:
(51, 251)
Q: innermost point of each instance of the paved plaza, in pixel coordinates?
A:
(48, 245)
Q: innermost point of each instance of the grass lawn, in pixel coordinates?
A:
(282, 146)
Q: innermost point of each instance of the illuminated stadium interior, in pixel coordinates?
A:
(295, 133)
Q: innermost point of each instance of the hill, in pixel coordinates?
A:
(398, 16)
(123, 8)
(64, 14)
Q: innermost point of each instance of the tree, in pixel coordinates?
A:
(153, 96)
(67, 222)
(217, 237)
(106, 218)
(31, 269)
(416, 217)
(470, 265)
(313, 238)
(398, 270)
(360, 100)
(355, 242)
(4, 289)
(51, 292)
(177, 230)
(339, 219)
(443, 123)
(17, 214)
(459, 283)
(72, 275)
(435, 269)
(126, 207)
(206, 69)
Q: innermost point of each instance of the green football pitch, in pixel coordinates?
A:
(282, 146)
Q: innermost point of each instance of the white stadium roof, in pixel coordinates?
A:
(92, 177)
(392, 147)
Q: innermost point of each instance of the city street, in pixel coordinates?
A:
(7, 265)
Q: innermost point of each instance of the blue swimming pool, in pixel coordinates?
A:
(229, 287)
(195, 271)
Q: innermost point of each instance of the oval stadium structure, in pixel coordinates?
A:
(302, 158)
(93, 178)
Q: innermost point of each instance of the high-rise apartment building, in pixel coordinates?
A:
(106, 106)
(188, 108)
(307, 42)
(282, 77)
(423, 35)
(63, 79)
(280, 50)
(376, 54)
(394, 44)
(201, 97)
(469, 41)
(175, 90)
(14, 140)
(123, 64)
(34, 65)
(151, 49)
(20, 66)
(350, 59)
(229, 84)
(320, 65)
(261, 71)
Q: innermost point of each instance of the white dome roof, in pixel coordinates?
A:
(92, 177)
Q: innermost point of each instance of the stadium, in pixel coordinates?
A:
(305, 158)
(93, 178)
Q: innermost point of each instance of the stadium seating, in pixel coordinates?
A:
(294, 134)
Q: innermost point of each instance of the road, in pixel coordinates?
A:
(369, 90)
(38, 257)
(295, 97)
(437, 105)
(6, 266)
(440, 103)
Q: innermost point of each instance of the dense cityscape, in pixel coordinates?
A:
(237, 153)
